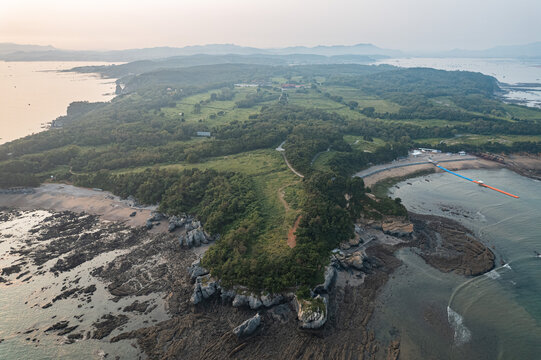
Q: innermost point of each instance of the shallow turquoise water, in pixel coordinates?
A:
(492, 316)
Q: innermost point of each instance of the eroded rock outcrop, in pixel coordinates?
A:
(312, 313)
(205, 286)
(269, 300)
(353, 260)
(175, 222)
(397, 226)
(195, 270)
(194, 238)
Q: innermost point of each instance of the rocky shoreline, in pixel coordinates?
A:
(149, 272)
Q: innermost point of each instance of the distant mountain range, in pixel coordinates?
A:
(341, 53)
(50, 53)
(9, 48)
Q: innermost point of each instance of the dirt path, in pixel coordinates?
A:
(291, 234)
(291, 238)
(281, 195)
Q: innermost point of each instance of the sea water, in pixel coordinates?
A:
(34, 93)
(496, 315)
(23, 320)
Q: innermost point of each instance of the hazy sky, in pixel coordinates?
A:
(401, 24)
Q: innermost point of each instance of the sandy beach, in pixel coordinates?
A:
(524, 165)
(62, 197)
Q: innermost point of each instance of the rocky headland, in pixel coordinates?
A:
(154, 294)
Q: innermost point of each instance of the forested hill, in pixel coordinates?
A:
(150, 142)
(142, 66)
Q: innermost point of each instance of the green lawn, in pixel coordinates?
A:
(523, 112)
(209, 112)
(353, 94)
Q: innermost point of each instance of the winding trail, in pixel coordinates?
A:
(291, 167)
(291, 234)
(281, 196)
(281, 149)
(291, 238)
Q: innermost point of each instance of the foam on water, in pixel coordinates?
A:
(493, 274)
(462, 334)
(482, 217)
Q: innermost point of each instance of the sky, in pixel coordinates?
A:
(395, 24)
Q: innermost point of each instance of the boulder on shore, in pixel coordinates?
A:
(248, 327)
(149, 224)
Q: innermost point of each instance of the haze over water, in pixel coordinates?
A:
(35, 93)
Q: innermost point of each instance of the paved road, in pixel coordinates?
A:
(412, 161)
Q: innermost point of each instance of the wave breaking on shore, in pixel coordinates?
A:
(462, 334)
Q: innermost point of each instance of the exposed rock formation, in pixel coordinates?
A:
(255, 302)
(205, 286)
(247, 300)
(269, 300)
(195, 270)
(194, 238)
(397, 226)
(393, 352)
(248, 327)
(149, 224)
(354, 260)
(175, 222)
(312, 313)
(450, 247)
(156, 216)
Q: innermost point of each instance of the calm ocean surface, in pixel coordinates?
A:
(34, 93)
(493, 316)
